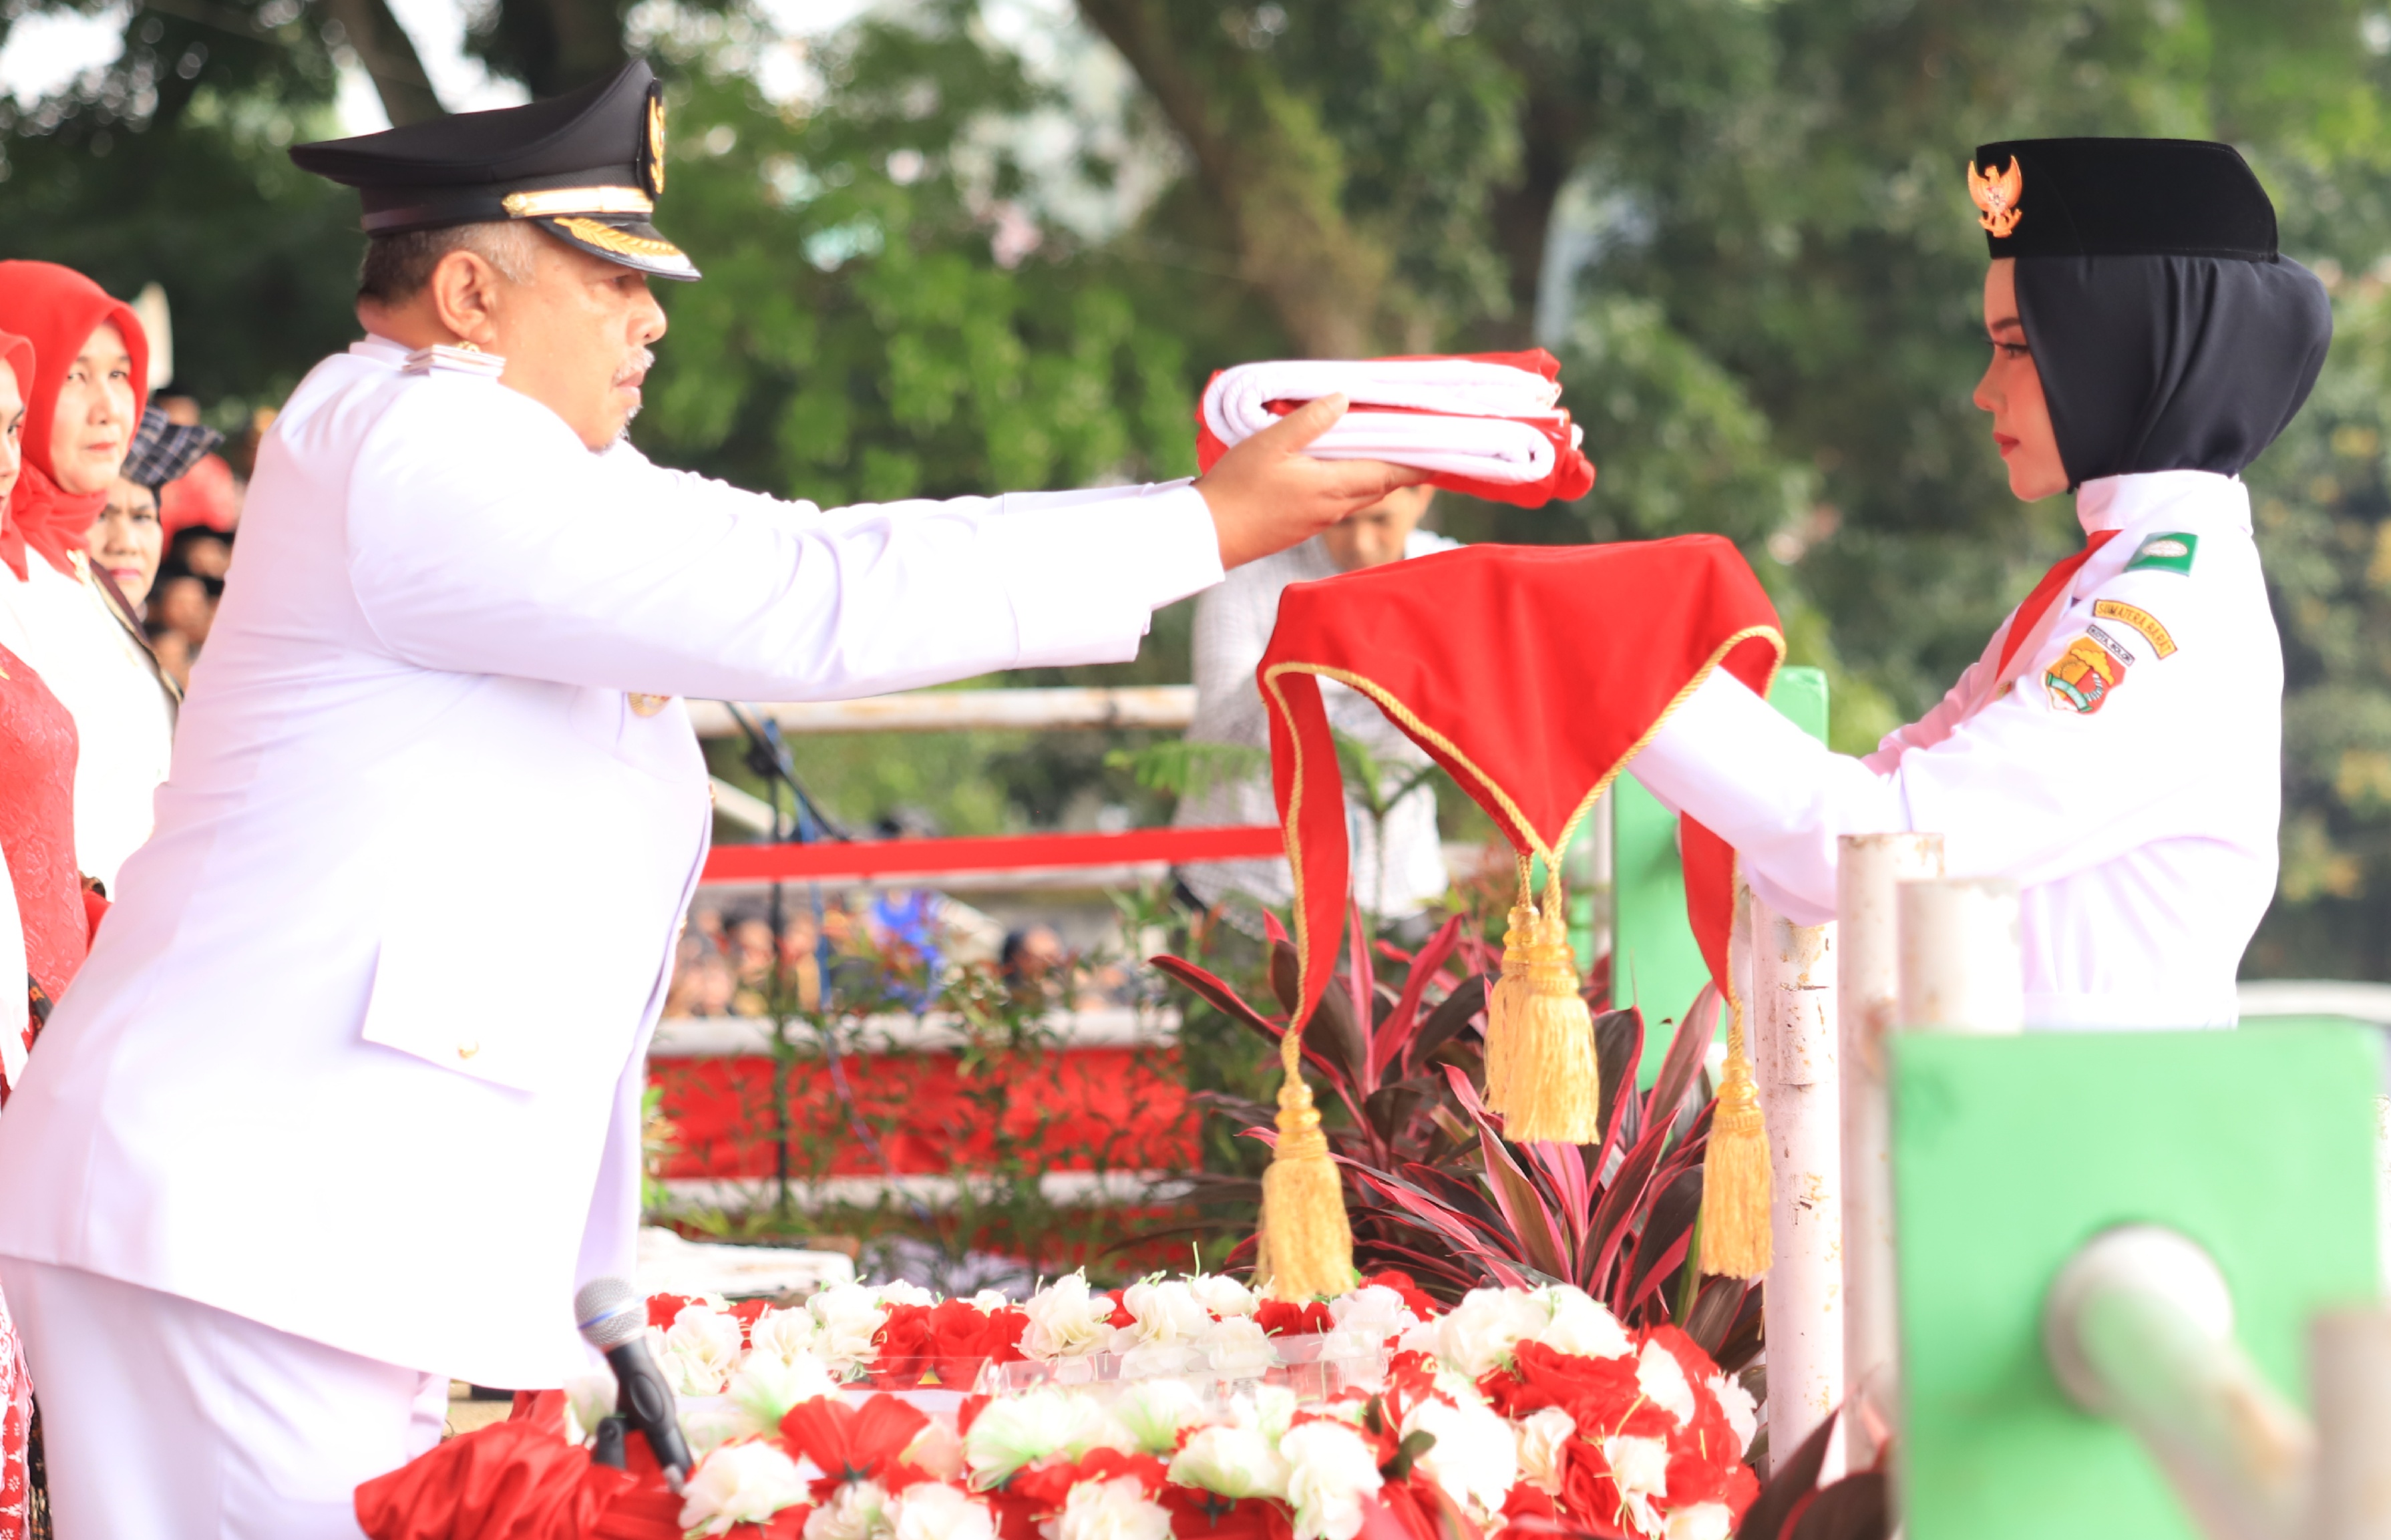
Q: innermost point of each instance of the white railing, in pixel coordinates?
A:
(1169, 706)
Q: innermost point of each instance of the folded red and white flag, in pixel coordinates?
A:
(1489, 424)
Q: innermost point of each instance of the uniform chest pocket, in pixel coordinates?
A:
(659, 743)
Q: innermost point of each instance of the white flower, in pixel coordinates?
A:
(692, 1373)
(933, 1510)
(766, 1387)
(1701, 1521)
(1065, 1321)
(1117, 1510)
(1222, 1295)
(740, 1483)
(589, 1400)
(859, 1511)
(988, 1300)
(1237, 1347)
(902, 1293)
(1662, 1380)
(1580, 1325)
(786, 1335)
(1376, 1312)
(1330, 1471)
(1230, 1461)
(1014, 1431)
(706, 1345)
(1640, 1468)
(1544, 1436)
(1477, 1334)
(708, 1421)
(1165, 1313)
(846, 1316)
(1475, 1457)
(937, 1449)
(1154, 1411)
(1742, 1413)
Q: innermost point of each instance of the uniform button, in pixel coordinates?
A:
(468, 1048)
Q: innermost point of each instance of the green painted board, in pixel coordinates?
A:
(2009, 1152)
(1655, 964)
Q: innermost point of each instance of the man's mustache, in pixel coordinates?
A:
(635, 366)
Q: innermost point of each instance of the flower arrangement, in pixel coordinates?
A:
(1167, 1411)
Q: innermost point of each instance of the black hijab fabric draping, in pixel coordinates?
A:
(2170, 363)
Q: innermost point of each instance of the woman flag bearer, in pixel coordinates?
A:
(302, 1144)
(2115, 750)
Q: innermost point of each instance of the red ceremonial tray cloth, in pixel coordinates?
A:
(1533, 674)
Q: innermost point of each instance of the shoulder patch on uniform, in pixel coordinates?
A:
(2171, 552)
(2084, 677)
(2140, 619)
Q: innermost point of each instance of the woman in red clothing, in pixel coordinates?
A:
(42, 914)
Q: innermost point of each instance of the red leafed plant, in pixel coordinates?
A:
(1433, 1188)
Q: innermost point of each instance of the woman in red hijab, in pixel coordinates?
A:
(43, 930)
(82, 404)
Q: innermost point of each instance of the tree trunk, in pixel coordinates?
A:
(1522, 214)
(1268, 163)
(389, 56)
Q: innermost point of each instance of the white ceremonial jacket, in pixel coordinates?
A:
(108, 681)
(1233, 630)
(359, 1056)
(2125, 770)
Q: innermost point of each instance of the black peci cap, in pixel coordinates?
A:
(588, 166)
(2120, 198)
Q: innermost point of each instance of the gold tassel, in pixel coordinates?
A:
(1307, 1242)
(1555, 1087)
(1503, 1006)
(1735, 1170)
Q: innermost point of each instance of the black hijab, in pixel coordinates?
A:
(2170, 333)
(2170, 363)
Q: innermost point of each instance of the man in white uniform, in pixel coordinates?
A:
(2117, 750)
(301, 1144)
(1393, 878)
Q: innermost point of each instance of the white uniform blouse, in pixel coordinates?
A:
(2125, 770)
(124, 718)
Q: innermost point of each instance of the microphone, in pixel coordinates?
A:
(613, 1319)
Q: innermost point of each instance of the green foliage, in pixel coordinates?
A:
(857, 337)
(2322, 510)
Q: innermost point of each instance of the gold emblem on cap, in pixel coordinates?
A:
(1998, 195)
(606, 237)
(655, 166)
(648, 705)
(551, 202)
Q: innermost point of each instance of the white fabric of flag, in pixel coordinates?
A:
(1461, 416)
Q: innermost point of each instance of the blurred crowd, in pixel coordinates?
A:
(166, 534)
(879, 952)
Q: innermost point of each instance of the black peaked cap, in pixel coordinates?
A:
(587, 166)
(2120, 198)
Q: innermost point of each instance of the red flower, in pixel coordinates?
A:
(1199, 1515)
(1281, 1318)
(850, 1444)
(1415, 1300)
(662, 1308)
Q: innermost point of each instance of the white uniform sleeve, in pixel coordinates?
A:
(2029, 787)
(520, 552)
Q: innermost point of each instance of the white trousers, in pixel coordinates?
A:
(163, 1418)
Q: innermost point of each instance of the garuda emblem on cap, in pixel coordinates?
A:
(652, 161)
(1996, 195)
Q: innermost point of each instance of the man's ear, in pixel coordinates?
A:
(464, 292)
